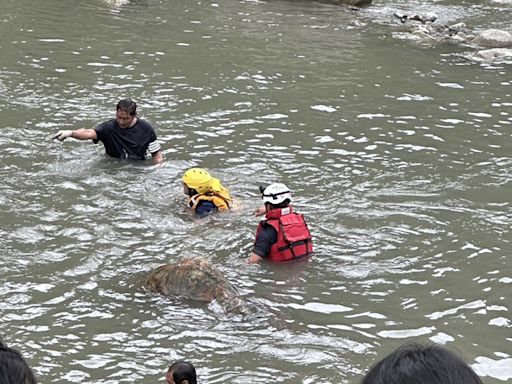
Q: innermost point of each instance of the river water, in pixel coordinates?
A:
(398, 153)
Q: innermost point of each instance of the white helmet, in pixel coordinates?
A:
(276, 193)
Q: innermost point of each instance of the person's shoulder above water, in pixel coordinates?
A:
(145, 124)
(266, 237)
(103, 127)
(205, 193)
(205, 207)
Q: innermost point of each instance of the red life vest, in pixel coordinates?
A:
(293, 237)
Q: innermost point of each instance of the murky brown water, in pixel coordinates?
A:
(398, 153)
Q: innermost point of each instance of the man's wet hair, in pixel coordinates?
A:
(414, 363)
(13, 367)
(127, 105)
(182, 370)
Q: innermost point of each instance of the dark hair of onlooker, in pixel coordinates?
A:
(283, 204)
(414, 363)
(182, 370)
(13, 367)
(127, 105)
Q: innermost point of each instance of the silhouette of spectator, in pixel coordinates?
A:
(414, 363)
(181, 372)
(13, 367)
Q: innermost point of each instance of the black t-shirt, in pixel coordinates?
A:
(127, 143)
(265, 239)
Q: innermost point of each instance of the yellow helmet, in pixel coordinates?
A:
(198, 179)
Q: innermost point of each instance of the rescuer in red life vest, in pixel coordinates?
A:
(283, 235)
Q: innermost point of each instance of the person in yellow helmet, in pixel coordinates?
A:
(205, 193)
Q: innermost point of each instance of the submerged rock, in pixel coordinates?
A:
(116, 3)
(422, 17)
(425, 27)
(421, 28)
(493, 38)
(196, 279)
(492, 55)
(356, 3)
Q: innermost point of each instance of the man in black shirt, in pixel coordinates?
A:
(125, 137)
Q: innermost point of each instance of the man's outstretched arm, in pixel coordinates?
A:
(80, 134)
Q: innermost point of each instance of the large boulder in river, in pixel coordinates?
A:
(195, 278)
(493, 38)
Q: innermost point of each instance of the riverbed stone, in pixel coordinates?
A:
(422, 17)
(356, 3)
(492, 55)
(116, 3)
(493, 38)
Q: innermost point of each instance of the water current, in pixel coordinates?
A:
(398, 153)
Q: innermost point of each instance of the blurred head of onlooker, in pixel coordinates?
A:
(414, 363)
(181, 372)
(13, 367)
